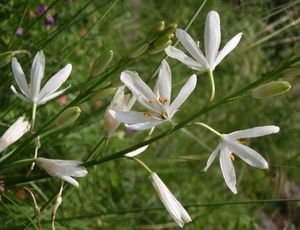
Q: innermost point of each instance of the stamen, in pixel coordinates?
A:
(243, 142)
(232, 157)
(163, 101)
(164, 115)
(151, 101)
(148, 114)
(29, 85)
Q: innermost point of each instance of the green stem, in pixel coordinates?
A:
(209, 128)
(140, 162)
(20, 162)
(33, 117)
(212, 83)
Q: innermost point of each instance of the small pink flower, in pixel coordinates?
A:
(20, 31)
(62, 100)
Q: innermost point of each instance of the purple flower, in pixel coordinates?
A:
(20, 31)
(50, 21)
(129, 130)
(41, 9)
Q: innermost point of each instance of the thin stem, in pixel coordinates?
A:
(95, 150)
(20, 162)
(36, 208)
(209, 128)
(33, 117)
(212, 84)
(56, 205)
(141, 163)
(37, 144)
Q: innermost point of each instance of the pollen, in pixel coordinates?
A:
(147, 114)
(164, 115)
(151, 101)
(243, 142)
(232, 157)
(163, 101)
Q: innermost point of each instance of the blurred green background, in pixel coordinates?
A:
(118, 194)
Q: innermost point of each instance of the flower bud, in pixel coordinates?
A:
(5, 59)
(159, 47)
(156, 29)
(170, 29)
(271, 89)
(138, 50)
(68, 116)
(292, 72)
(101, 63)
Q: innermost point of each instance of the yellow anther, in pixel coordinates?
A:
(232, 157)
(151, 101)
(147, 114)
(164, 115)
(243, 142)
(29, 85)
(163, 101)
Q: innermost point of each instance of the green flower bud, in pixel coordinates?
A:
(138, 50)
(101, 63)
(271, 89)
(159, 47)
(67, 117)
(5, 59)
(156, 29)
(292, 72)
(162, 40)
(170, 29)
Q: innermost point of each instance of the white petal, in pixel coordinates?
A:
(137, 151)
(70, 180)
(185, 91)
(173, 52)
(141, 91)
(47, 98)
(247, 154)
(164, 83)
(212, 157)
(20, 78)
(254, 132)
(212, 37)
(132, 117)
(56, 81)
(144, 126)
(190, 45)
(227, 169)
(227, 48)
(36, 75)
(18, 94)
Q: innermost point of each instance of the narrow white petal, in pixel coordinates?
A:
(18, 94)
(144, 126)
(227, 169)
(184, 93)
(70, 180)
(56, 81)
(164, 83)
(212, 37)
(190, 45)
(141, 91)
(254, 132)
(47, 98)
(227, 48)
(137, 151)
(247, 154)
(173, 52)
(132, 117)
(20, 78)
(212, 157)
(36, 74)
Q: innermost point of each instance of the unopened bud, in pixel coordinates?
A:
(159, 47)
(138, 50)
(68, 116)
(156, 29)
(170, 29)
(271, 89)
(101, 63)
(162, 40)
(292, 72)
(5, 59)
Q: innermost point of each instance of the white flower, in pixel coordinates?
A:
(120, 102)
(63, 169)
(14, 132)
(31, 92)
(175, 209)
(212, 41)
(158, 102)
(230, 144)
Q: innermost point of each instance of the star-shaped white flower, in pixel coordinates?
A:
(31, 92)
(158, 102)
(120, 102)
(14, 132)
(230, 144)
(63, 169)
(212, 39)
(175, 209)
